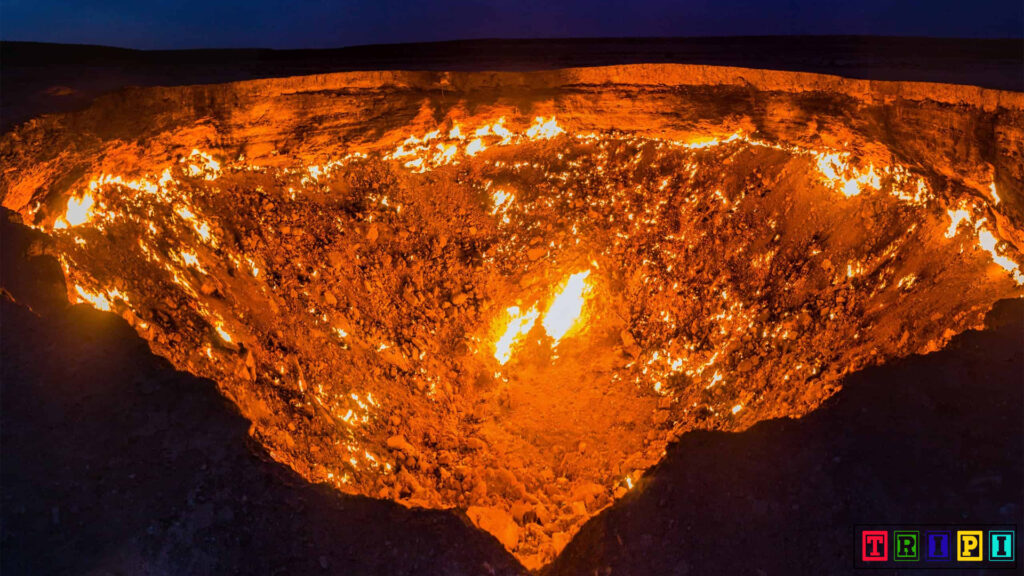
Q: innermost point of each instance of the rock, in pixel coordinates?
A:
(536, 253)
(479, 491)
(372, 233)
(559, 540)
(459, 299)
(521, 511)
(497, 522)
(579, 508)
(543, 515)
(586, 493)
(335, 258)
(398, 442)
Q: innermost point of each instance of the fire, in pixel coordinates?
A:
(502, 200)
(474, 147)
(543, 129)
(956, 217)
(594, 200)
(834, 167)
(79, 211)
(567, 306)
(219, 328)
(201, 164)
(988, 242)
(519, 325)
(98, 301)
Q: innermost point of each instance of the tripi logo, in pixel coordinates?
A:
(969, 546)
(906, 544)
(937, 545)
(874, 545)
(1001, 545)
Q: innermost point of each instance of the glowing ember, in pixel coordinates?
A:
(502, 200)
(566, 308)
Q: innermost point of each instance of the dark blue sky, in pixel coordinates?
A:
(323, 23)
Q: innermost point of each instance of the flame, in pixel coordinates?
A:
(474, 147)
(219, 327)
(519, 325)
(988, 242)
(499, 129)
(202, 164)
(995, 194)
(543, 129)
(98, 301)
(79, 212)
(956, 217)
(566, 308)
(834, 167)
(502, 200)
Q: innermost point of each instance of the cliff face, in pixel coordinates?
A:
(508, 292)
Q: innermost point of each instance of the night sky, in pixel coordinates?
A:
(324, 24)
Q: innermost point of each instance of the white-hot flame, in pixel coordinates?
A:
(519, 325)
(956, 217)
(543, 129)
(567, 306)
(79, 211)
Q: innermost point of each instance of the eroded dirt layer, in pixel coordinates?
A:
(514, 314)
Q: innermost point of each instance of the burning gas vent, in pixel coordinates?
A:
(508, 295)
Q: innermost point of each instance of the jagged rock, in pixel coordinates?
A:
(497, 522)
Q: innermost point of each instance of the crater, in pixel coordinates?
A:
(507, 293)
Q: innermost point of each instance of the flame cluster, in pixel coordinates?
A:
(561, 316)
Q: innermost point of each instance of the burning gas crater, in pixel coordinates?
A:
(515, 318)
